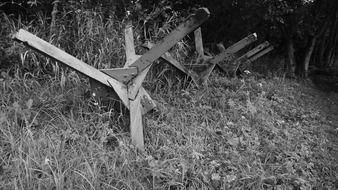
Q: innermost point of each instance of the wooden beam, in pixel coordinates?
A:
(250, 53)
(257, 49)
(244, 60)
(234, 48)
(53, 52)
(136, 123)
(129, 43)
(261, 53)
(189, 25)
(199, 42)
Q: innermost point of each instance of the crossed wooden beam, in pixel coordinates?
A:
(223, 60)
(126, 81)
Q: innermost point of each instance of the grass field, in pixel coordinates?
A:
(235, 134)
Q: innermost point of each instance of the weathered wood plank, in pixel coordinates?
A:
(234, 48)
(257, 49)
(53, 52)
(250, 53)
(136, 123)
(129, 43)
(189, 25)
(261, 53)
(243, 61)
(199, 42)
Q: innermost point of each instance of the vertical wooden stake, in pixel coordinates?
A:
(199, 42)
(136, 122)
(129, 42)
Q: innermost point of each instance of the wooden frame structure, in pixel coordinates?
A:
(225, 60)
(126, 81)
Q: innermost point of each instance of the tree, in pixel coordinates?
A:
(302, 24)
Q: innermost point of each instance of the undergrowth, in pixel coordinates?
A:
(234, 134)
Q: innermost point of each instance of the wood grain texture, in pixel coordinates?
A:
(199, 42)
(234, 48)
(129, 44)
(136, 123)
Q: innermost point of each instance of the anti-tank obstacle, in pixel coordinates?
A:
(227, 60)
(127, 81)
(125, 84)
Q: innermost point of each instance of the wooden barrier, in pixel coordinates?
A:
(127, 81)
(251, 56)
(207, 63)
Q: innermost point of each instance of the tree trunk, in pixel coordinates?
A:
(291, 58)
(307, 56)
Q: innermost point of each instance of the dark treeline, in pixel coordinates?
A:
(304, 32)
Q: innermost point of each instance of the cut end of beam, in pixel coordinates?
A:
(255, 34)
(17, 36)
(202, 14)
(206, 10)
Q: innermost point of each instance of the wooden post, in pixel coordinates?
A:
(136, 123)
(129, 43)
(199, 42)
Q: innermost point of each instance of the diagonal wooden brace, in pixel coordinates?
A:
(53, 52)
(254, 51)
(227, 54)
(252, 55)
(199, 42)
